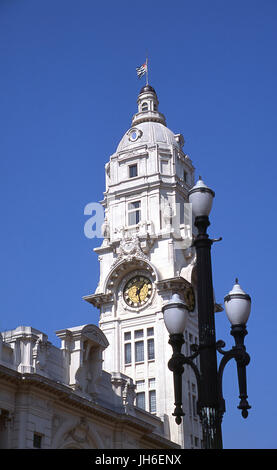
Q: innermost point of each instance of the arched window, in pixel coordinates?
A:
(144, 107)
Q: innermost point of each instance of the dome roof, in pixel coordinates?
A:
(148, 124)
(147, 88)
(150, 132)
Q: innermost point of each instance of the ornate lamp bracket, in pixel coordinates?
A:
(175, 364)
(237, 352)
(242, 358)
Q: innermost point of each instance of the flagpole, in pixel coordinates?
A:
(146, 70)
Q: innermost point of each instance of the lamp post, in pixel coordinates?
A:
(211, 404)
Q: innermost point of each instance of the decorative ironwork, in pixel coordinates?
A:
(211, 404)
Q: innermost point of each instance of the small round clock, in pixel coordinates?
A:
(137, 291)
(134, 134)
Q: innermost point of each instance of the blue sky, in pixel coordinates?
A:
(68, 92)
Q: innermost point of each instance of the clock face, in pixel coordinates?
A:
(190, 299)
(134, 134)
(137, 291)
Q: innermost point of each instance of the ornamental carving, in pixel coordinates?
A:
(41, 353)
(130, 248)
(80, 433)
(105, 229)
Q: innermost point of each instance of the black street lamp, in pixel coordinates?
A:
(211, 404)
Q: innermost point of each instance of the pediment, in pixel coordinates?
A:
(95, 335)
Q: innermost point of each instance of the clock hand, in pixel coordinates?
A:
(140, 291)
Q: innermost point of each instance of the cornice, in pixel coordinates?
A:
(172, 283)
(98, 299)
(159, 183)
(122, 153)
(66, 395)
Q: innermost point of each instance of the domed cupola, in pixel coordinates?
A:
(148, 107)
(149, 125)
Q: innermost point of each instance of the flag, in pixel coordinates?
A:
(141, 70)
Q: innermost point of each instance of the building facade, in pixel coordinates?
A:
(145, 257)
(61, 398)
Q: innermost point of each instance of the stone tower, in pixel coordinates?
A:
(144, 258)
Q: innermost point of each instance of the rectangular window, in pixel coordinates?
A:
(133, 171)
(150, 331)
(37, 441)
(140, 400)
(139, 351)
(133, 205)
(189, 397)
(197, 359)
(194, 407)
(152, 401)
(185, 176)
(134, 213)
(127, 335)
(152, 383)
(164, 167)
(150, 349)
(138, 334)
(128, 356)
(140, 384)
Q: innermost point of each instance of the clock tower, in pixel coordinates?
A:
(145, 258)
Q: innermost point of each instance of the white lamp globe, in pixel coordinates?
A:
(201, 198)
(175, 315)
(237, 305)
